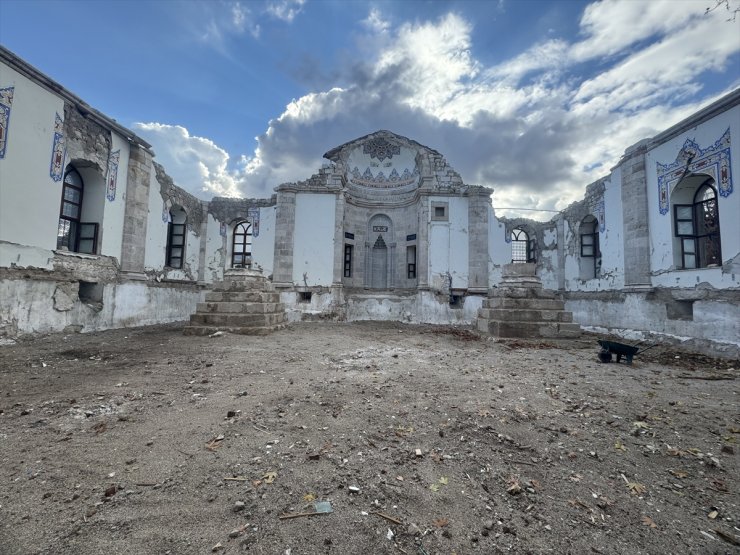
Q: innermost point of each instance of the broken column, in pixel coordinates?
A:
(520, 307)
(244, 302)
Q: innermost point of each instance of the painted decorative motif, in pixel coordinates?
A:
(6, 102)
(253, 215)
(713, 161)
(222, 229)
(112, 174)
(56, 168)
(367, 178)
(380, 149)
(601, 215)
(166, 218)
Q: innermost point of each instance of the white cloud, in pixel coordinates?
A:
(196, 164)
(537, 142)
(285, 10)
(375, 22)
(610, 26)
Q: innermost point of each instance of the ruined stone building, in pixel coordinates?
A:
(94, 234)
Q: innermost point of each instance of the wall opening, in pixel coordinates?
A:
(348, 260)
(73, 234)
(241, 245)
(522, 247)
(304, 296)
(696, 241)
(590, 259)
(411, 262)
(176, 237)
(91, 293)
(680, 310)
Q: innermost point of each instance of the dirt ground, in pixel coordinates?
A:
(145, 441)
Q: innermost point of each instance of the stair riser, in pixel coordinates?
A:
(237, 320)
(255, 330)
(510, 315)
(245, 286)
(241, 297)
(529, 330)
(239, 308)
(524, 304)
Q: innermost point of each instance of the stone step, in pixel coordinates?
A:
(500, 328)
(238, 320)
(241, 330)
(525, 315)
(523, 304)
(261, 285)
(239, 307)
(523, 292)
(241, 296)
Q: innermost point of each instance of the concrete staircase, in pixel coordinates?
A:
(245, 302)
(520, 307)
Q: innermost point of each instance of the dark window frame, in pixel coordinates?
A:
(68, 227)
(410, 266)
(243, 247)
(348, 253)
(694, 245)
(71, 230)
(173, 231)
(594, 244)
(522, 249)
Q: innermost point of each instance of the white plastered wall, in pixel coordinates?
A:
(448, 245)
(499, 251)
(663, 268)
(156, 241)
(313, 239)
(263, 246)
(611, 245)
(115, 210)
(217, 257)
(156, 228)
(29, 198)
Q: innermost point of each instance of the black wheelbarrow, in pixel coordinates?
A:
(609, 348)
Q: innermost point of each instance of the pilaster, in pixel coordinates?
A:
(635, 216)
(479, 203)
(282, 275)
(136, 210)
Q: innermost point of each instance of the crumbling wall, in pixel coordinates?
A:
(173, 195)
(545, 235)
(86, 139)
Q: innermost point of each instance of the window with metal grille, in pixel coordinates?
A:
(348, 260)
(241, 245)
(697, 228)
(522, 247)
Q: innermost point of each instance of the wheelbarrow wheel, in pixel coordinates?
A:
(605, 355)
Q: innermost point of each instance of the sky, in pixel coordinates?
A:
(534, 99)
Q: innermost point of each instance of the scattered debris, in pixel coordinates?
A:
(319, 508)
(387, 517)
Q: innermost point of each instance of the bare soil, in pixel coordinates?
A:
(144, 441)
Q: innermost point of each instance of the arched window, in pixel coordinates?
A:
(522, 247)
(696, 227)
(241, 246)
(72, 234)
(176, 237)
